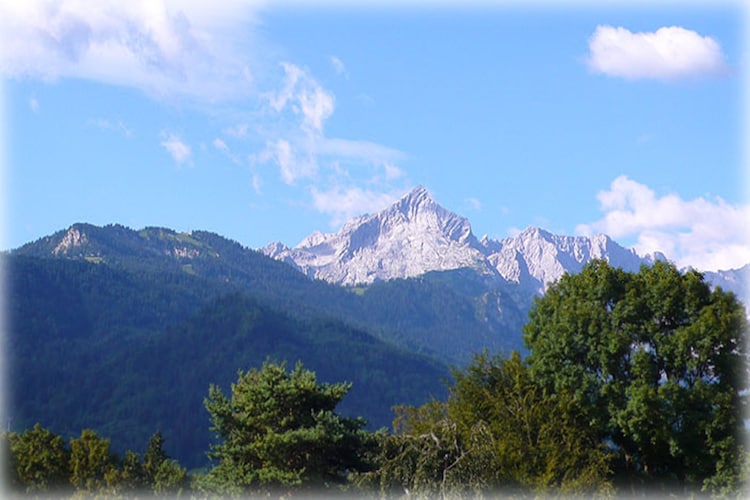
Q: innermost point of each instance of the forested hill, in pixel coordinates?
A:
(448, 315)
(123, 331)
(129, 353)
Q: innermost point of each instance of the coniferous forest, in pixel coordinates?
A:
(628, 384)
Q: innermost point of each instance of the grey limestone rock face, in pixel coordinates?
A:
(416, 235)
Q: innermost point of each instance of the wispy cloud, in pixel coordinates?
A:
(302, 151)
(474, 203)
(344, 202)
(116, 126)
(221, 145)
(669, 53)
(162, 47)
(358, 151)
(292, 164)
(238, 130)
(224, 149)
(179, 150)
(708, 234)
(303, 96)
(338, 66)
(34, 104)
(202, 54)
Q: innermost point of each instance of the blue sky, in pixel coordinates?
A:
(266, 122)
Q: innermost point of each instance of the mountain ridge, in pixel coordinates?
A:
(90, 304)
(413, 236)
(416, 235)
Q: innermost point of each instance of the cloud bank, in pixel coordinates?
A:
(707, 234)
(162, 47)
(669, 53)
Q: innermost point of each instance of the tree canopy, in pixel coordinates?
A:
(496, 433)
(278, 430)
(656, 362)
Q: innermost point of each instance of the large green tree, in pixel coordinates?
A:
(278, 430)
(656, 362)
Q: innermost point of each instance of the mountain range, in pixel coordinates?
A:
(416, 235)
(123, 330)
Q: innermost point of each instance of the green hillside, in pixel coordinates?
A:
(123, 331)
(128, 355)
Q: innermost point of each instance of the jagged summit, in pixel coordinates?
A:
(416, 235)
(416, 196)
(412, 236)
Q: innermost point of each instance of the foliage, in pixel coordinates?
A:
(278, 431)
(495, 433)
(656, 362)
(92, 466)
(534, 442)
(83, 332)
(39, 459)
(164, 474)
(428, 457)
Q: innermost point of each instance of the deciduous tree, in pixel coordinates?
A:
(40, 460)
(92, 466)
(656, 362)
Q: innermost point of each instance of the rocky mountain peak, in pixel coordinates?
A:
(413, 236)
(416, 235)
(74, 237)
(415, 200)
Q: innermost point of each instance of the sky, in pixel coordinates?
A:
(266, 121)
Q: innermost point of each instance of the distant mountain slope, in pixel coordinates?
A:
(127, 353)
(535, 257)
(732, 280)
(483, 307)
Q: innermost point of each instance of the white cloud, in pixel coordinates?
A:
(257, 183)
(293, 166)
(666, 54)
(361, 151)
(301, 106)
(239, 130)
(202, 53)
(474, 203)
(343, 203)
(392, 172)
(179, 150)
(223, 148)
(118, 126)
(282, 153)
(221, 145)
(302, 94)
(163, 47)
(707, 234)
(338, 66)
(34, 104)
